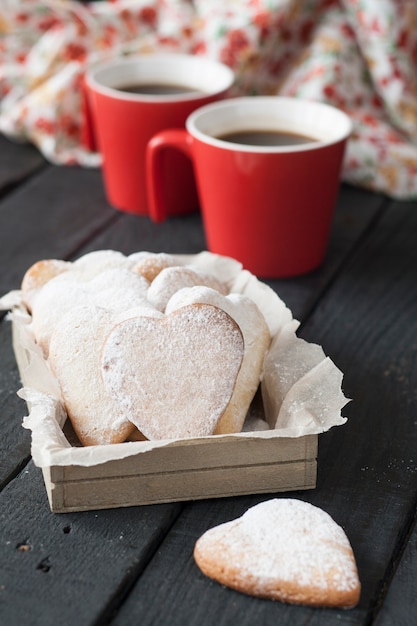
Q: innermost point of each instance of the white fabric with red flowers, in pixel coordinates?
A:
(359, 55)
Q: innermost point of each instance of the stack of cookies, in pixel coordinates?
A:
(144, 347)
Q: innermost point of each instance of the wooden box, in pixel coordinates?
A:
(144, 472)
(188, 470)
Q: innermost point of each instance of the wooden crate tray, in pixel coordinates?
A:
(143, 472)
(189, 470)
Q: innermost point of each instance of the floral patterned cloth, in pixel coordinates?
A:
(359, 55)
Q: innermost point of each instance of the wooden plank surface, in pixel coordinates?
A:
(359, 305)
(70, 569)
(400, 603)
(14, 440)
(51, 216)
(18, 161)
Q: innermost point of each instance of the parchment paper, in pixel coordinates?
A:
(301, 386)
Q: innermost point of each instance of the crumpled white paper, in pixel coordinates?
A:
(301, 386)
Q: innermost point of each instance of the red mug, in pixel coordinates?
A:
(129, 99)
(268, 206)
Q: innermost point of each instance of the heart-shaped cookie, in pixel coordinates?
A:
(74, 359)
(150, 264)
(256, 337)
(174, 375)
(172, 279)
(38, 275)
(115, 289)
(283, 549)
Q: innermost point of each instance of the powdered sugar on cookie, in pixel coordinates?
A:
(283, 549)
(150, 265)
(116, 289)
(256, 337)
(74, 358)
(38, 275)
(174, 375)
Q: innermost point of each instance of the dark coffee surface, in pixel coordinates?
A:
(265, 138)
(157, 89)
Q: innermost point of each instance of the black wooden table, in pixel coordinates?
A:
(135, 565)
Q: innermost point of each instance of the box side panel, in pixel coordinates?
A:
(198, 455)
(181, 486)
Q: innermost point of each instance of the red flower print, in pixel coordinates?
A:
(4, 90)
(75, 52)
(370, 120)
(45, 125)
(22, 17)
(237, 42)
(402, 39)
(238, 39)
(110, 29)
(329, 91)
(353, 163)
(149, 16)
(21, 57)
(199, 48)
(129, 20)
(49, 21)
(376, 26)
(168, 41)
(348, 31)
(109, 33)
(333, 95)
(69, 126)
(262, 19)
(377, 101)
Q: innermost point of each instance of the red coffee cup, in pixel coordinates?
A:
(129, 100)
(268, 206)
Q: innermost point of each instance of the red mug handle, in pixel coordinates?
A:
(179, 139)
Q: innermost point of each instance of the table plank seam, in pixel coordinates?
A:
(18, 469)
(394, 562)
(134, 573)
